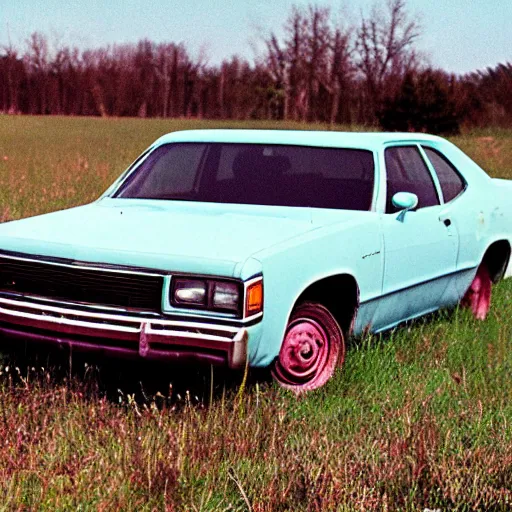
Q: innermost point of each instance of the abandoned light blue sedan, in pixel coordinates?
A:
(240, 247)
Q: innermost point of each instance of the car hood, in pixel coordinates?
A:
(176, 236)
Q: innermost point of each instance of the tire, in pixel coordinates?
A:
(478, 295)
(312, 347)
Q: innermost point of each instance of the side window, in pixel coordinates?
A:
(451, 182)
(407, 172)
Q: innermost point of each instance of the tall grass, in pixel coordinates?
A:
(417, 418)
(59, 162)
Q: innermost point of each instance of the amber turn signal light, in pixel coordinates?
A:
(254, 298)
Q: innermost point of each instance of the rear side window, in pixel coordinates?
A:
(451, 182)
(407, 172)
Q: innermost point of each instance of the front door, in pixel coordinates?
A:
(420, 250)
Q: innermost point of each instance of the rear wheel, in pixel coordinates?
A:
(478, 295)
(313, 346)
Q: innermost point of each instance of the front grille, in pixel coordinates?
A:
(77, 284)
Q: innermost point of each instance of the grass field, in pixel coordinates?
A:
(418, 418)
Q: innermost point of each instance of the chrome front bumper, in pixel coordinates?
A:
(126, 335)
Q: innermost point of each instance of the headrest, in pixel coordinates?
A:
(252, 163)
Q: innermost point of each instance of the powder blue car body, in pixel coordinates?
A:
(402, 269)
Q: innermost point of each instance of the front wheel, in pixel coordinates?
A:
(478, 295)
(313, 346)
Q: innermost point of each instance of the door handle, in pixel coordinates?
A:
(445, 218)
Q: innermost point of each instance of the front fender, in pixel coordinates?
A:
(294, 266)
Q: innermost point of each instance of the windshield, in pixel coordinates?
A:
(255, 174)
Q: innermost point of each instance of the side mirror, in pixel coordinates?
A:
(405, 201)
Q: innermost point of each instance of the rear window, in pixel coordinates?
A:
(451, 183)
(255, 174)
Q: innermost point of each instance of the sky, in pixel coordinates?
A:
(457, 35)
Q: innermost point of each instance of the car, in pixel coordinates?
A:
(260, 248)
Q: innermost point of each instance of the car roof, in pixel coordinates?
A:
(357, 140)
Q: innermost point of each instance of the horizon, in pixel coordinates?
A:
(232, 28)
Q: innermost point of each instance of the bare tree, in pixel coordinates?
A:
(340, 77)
(320, 69)
(12, 75)
(319, 36)
(37, 61)
(277, 65)
(311, 65)
(385, 51)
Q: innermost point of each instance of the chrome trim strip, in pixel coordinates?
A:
(82, 267)
(106, 317)
(85, 305)
(417, 285)
(66, 321)
(253, 317)
(142, 314)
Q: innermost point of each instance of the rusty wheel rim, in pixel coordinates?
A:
(305, 354)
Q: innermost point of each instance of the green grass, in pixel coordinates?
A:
(417, 418)
(58, 162)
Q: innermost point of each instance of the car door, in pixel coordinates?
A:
(420, 247)
(464, 214)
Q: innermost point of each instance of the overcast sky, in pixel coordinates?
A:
(458, 35)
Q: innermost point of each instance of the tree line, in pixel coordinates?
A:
(320, 69)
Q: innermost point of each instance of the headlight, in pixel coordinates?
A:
(208, 294)
(190, 292)
(226, 296)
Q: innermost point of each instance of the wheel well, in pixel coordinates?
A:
(339, 294)
(497, 257)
